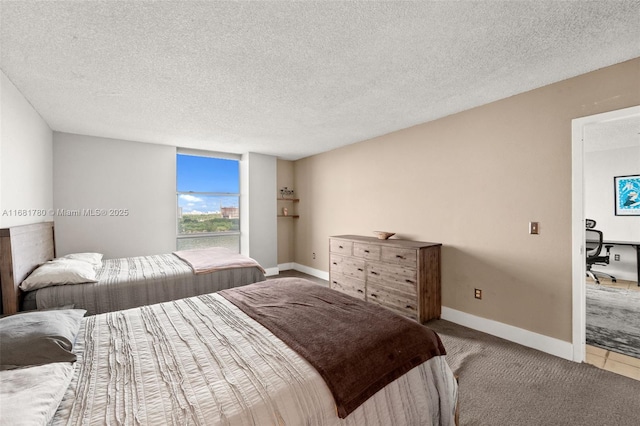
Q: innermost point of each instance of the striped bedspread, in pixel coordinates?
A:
(357, 347)
(136, 281)
(203, 361)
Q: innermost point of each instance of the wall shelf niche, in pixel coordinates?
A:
(289, 214)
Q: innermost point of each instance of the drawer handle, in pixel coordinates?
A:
(410, 282)
(374, 273)
(340, 247)
(335, 282)
(360, 269)
(360, 291)
(409, 307)
(374, 295)
(400, 257)
(366, 251)
(335, 263)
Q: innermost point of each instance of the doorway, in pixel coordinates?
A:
(579, 134)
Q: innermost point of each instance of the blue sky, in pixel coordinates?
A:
(207, 174)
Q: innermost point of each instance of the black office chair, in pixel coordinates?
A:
(594, 244)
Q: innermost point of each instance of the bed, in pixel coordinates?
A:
(119, 283)
(221, 359)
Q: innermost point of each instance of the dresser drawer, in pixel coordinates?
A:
(383, 272)
(348, 285)
(366, 251)
(403, 303)
(400, 275)
(341, 247)
(399, 256)
(347, 266)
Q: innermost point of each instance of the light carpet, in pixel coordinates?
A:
(506, 384)
(613, 319)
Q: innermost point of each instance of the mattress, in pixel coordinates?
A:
(137, 281)
(201, 360)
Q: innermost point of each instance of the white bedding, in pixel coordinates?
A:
(30, 396)
(203, 361)
(136, 281)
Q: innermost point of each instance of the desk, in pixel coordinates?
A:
(635, 245)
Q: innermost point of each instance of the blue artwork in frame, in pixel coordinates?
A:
(627, 195)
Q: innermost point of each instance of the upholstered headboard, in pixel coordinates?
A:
(22, 249)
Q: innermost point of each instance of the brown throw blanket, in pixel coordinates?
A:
(204, 261)
(356, 346)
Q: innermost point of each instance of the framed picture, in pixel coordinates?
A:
(627, 195)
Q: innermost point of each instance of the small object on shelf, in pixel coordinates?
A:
(286, 192)
(284, 211)
(382, 235)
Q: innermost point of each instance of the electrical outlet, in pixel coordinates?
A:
(478, 293)
(616, 257)
(313, 255)
(534, 228)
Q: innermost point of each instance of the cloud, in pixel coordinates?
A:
(191, 198)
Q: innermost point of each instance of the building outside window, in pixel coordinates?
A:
(208, 192)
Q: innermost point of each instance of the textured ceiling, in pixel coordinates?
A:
(293, 79)
(613, 134)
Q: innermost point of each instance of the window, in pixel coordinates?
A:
(208, 192)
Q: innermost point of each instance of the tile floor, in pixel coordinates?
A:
(601, 358)
(612, 361)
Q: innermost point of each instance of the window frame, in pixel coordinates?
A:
(215, 155)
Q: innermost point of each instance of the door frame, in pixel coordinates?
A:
(579, 301)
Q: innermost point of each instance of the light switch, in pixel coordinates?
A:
(534, 228)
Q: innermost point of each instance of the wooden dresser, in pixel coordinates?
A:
(401, 275)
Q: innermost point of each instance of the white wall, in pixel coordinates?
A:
(259, 236)
(26, 165)
(98, 173)
(600, 167)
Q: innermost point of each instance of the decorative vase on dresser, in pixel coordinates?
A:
(401, 275)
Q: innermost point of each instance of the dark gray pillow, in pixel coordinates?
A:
(39, 337)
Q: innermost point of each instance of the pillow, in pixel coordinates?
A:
(58, 272)
(93, 258)
(31, 396)
(38, 338)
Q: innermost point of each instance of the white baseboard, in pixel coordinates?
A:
(272, 271)
(543, 343)
(304, 269)
(521, 336)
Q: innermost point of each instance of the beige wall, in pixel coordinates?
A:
(286, 226)
(471, 181)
